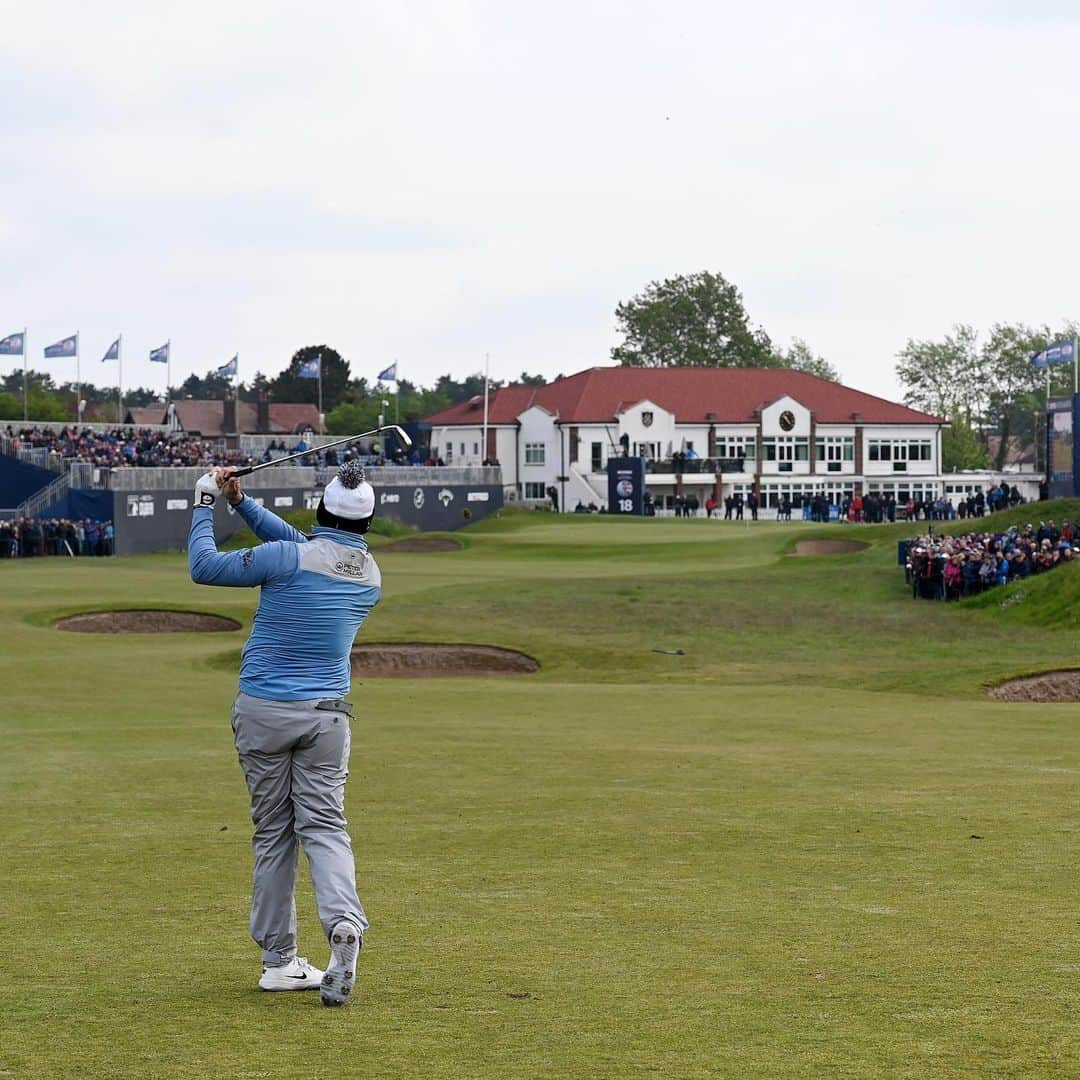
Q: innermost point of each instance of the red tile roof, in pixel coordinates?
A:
(150, 414)
(207, 418)
(598, 395)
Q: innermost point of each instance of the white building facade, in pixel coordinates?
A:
(702, 432)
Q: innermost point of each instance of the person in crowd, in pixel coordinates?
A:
(986, 559)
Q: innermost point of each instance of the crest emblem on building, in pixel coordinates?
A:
(646, 418)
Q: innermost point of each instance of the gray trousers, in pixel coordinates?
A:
(295, 757)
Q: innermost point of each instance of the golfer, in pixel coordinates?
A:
(290, 718)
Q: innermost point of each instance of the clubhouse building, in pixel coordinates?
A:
(702, 431)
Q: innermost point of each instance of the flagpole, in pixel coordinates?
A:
(78, 381)
(397, 392)
(487, 369)
(322, 423)
(1076, 375)
(25, 395)
(168, 371)
(120, 379)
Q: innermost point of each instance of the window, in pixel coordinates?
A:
(900, 451)
(784, 449)
(476, 449)
(534, 453)
(462, 449)
(771, 494)
(834, 450)
(596, 463)
(449, 452)
(904, 489)
(737, 446)
(534, 489)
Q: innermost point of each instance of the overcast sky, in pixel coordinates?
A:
(432, 181)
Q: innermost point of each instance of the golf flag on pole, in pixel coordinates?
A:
(160, 355)
(13, 345)
(310, 369)
(389, 374)
(112, 352)
(231, 367)
(1061, 352)
(68, 346)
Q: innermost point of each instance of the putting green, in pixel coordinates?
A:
(808, 846)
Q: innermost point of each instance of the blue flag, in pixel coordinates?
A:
(231, 367)
(68, 346)
(1061, 352)
(310, 369)
(12, 345)
(112, 352)
(389, 374)
(161, 355)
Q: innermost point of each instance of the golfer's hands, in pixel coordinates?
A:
(230, 486)
(206, 490)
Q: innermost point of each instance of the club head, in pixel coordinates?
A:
(400, 432)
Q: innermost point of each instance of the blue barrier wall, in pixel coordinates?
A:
(76, 505)
(18, 480)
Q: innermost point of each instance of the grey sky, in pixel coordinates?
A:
(433, 181)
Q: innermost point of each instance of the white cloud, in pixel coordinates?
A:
(436, 180)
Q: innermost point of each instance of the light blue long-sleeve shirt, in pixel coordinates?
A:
(316, 593)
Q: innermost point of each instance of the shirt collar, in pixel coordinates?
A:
(339, 536)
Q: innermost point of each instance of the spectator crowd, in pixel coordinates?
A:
(118, 447)
(26, 538)
(146, 448)
(950, 567)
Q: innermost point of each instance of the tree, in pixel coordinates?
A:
(943, 377)
(961, 447)
(690, 321)
(211, 387)
(288, 386)
(993, 385)
(800, 358)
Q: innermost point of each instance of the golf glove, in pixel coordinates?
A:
(206, 490)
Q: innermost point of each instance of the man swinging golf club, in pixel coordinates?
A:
(290, 718)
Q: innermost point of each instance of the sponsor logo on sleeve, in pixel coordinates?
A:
(349, 569)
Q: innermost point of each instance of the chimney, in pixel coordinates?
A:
(228, 421)
(262, 422)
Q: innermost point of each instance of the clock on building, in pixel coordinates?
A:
(787, 420)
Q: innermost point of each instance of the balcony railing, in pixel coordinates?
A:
(696, 465)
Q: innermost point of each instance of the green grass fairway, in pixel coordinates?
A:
(809, 846)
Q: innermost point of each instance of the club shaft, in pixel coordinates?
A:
(248, 469)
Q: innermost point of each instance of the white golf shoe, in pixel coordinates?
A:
(346, 941)
(297, 974)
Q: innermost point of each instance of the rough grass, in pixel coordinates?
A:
(808, 846)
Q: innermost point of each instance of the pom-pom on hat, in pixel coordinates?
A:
(349, 495)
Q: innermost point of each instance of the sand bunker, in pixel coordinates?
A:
(147, 622)
(421, 544)
(1049, 686)
(829, 547)
(438, 661)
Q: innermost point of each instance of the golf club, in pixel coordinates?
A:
(246, 469)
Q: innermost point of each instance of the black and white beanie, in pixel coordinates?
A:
(349, 496)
